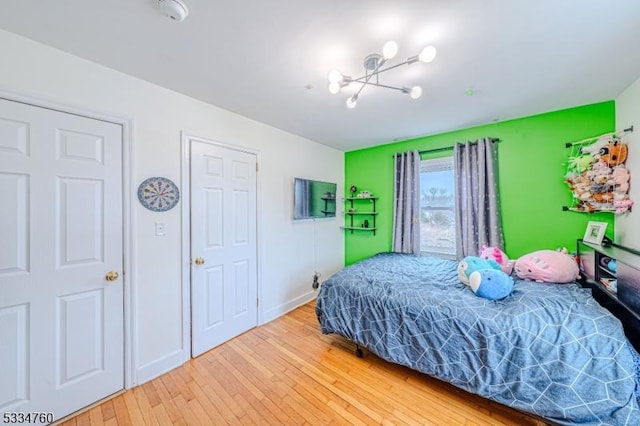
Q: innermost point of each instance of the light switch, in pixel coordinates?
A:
(160, 229)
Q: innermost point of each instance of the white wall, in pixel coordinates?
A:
(158, 117)
(628, 114)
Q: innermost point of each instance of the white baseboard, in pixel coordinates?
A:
(157, 367)
(278, 311)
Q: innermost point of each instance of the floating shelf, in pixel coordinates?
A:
(353, 202)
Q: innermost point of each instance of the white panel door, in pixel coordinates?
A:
(61, 321)
(223, 244)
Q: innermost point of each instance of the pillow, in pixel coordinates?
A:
(547, 266)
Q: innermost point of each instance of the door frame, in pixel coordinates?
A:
(185, 189)
(128, 220)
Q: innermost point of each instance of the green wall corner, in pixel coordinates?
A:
(532, 163)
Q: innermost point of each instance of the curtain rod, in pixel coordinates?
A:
(450, 148)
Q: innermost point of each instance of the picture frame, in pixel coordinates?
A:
(595, 232)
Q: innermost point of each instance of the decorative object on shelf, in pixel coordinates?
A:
(352, 210)
(597, 175)
(365, 223)
(158, 194)
(595, 232)
(353, 190)
(373, 67)
(364, 194)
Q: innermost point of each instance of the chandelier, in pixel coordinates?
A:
(373, 66)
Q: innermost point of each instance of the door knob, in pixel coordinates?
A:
(199, 261)
(111, 276)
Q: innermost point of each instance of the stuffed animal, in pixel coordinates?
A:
(581, 163)
(547, 266)
(499, 256)
(622, 206)
(603, 197)
(594, 148)
(491, 284)
(599, 173)
(614, 153)
(470, 264)
(620, 179)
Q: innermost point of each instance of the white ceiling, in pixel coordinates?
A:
(268, 59)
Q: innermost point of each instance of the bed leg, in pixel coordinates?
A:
(358, 351)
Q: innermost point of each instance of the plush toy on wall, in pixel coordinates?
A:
(594, 148)
(581, 163)
(470, 264)
(499, 256)
(597, 176)
(491, 284)
(547, 266)
(614, 153)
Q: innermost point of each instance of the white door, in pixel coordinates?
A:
(223, 244)
(61, 321)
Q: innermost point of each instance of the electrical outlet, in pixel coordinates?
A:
(160, 229)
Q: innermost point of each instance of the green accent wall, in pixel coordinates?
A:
(532, 163)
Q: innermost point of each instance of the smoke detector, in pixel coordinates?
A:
(174, 9)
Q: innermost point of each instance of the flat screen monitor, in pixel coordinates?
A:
(313, 199)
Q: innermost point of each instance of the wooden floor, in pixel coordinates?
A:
(287, 372)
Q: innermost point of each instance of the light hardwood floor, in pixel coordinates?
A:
(288, 373)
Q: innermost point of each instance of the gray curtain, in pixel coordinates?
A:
(406, 208)
(477, 202)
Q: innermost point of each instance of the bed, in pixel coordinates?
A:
(546, 349)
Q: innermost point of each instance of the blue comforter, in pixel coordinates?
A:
(547, 349)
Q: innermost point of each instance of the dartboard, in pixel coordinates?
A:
(158, 194)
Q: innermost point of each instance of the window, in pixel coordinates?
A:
(437, 207)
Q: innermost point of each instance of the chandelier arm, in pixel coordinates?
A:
(383, 85)
(368, 77)
(408, 61)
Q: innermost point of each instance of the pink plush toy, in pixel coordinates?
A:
(499, 256)
(622, 206)
(547, 266)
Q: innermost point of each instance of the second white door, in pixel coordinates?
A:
(223, 244)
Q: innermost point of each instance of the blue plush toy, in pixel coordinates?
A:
(491, 284)
(470, 264)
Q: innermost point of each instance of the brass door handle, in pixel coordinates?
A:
(111, 276)
(199, 261)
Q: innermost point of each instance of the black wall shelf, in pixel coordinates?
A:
(353, 214)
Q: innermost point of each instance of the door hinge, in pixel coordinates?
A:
(257, 167)
(257, 303)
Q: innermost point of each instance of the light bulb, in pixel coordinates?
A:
(415, 92)
(352, 101)
(334, 88)
(390, 49)
(428, 54)
(334, 76)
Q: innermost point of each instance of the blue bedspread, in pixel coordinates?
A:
(547, 349)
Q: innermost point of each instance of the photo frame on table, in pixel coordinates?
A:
(595, 232)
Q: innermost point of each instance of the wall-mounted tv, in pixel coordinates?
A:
(313, 199)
